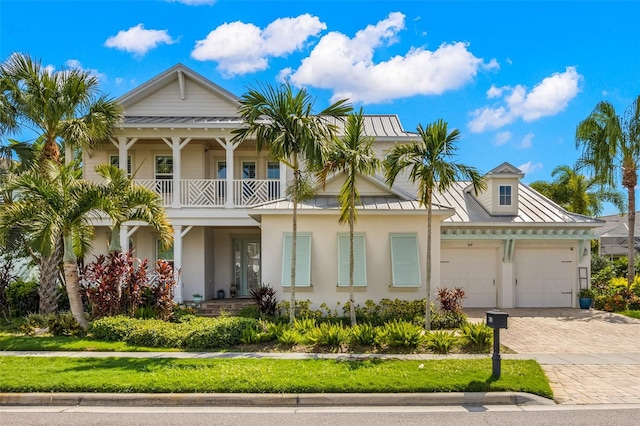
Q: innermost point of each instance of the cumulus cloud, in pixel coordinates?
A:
(527, 141)
(549, 97)
(241, 48)
(193, 2)
(502, 138)
(530, 167)
(346, 66)
(76, 64)
(138, 40)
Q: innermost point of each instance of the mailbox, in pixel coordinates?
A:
(497, 319)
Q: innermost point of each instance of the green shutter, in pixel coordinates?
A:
(303, 260)
(405, 268)
(359, 255)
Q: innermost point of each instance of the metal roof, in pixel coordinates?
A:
(378, 125)
(196, 121)
(533, 208)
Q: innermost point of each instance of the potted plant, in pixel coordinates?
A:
(197, 299)
(585, 298)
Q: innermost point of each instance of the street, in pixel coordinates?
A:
(320, 416)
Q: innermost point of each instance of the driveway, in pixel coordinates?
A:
(590, 357)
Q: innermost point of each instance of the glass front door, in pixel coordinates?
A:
(246, 263)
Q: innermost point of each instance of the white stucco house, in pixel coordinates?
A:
(507, 247)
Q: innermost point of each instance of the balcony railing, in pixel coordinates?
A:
(213, 192)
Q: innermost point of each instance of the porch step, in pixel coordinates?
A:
(212, 308)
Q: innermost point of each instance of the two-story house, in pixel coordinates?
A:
(508, 246)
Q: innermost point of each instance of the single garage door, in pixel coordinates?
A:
(544, 277)
(473, 269)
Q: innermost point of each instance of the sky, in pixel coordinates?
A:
(514, 77)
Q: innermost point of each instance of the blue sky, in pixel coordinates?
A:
(514, 77)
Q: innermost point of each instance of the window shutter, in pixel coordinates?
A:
(359, 257)
(405, 268)
(303, 260)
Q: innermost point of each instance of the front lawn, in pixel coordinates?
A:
(129, 375)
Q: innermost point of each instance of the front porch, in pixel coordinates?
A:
(214, 307)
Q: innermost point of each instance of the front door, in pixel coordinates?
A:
(246, 263)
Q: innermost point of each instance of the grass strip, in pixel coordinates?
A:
(632, 314)
(132, 375)
(13, 342)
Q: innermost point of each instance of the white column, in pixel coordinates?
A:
(122, 153)
(177, 171)
(177, 262)
(229, 148)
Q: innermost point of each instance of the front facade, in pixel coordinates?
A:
(507, 247)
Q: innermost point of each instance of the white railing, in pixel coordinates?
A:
(213, 192)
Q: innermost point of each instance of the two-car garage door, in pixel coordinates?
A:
(544, 277)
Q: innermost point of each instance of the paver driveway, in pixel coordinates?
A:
(590, 357)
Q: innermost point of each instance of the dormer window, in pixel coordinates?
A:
(505, 195)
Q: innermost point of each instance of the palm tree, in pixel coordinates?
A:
(128, 202)
(351, 154)
(610, 145)
(578, 193)
(63, 108)
(429, 164)
(283, 122)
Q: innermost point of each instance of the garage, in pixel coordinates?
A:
(474, 270)
(544, 277)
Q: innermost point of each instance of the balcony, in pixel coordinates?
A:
(213, 192)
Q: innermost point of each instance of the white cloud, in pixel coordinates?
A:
(496, 92)
(549, 97)
(509, 61)
(76, 64)
(193, 2)
(346, 66)
(502, 138)
(241, 48)
(492, 65)
(527, 141)
(530, 167)
(138, 40)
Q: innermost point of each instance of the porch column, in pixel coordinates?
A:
(177, 171)
(229, 148)
(283, 180)
(177, 262)
(123, 146)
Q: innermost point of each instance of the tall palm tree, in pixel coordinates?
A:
(283, 122)
(430, 166)
(611, 146)
(578, 193)
(128, 202)
(64, 108)
(353, 155)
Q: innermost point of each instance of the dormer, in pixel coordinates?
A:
(501, 196)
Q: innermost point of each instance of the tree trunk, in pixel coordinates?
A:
(427, 317)
(294, 238)
(352, 299)
(72, 282)
(629, 181)
(48, 282)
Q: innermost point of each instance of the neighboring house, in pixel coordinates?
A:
(508, 246)
(613, 237)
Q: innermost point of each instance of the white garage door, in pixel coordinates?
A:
(473, 269)
(544, 277)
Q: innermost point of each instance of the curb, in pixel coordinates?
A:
(271, 400)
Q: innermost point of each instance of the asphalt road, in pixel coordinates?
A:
(371, 416)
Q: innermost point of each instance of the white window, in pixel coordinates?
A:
(162, 253)
(273, 179)
(505, 195)
(405, 267)
(303, 260)
(359, 260)
(114, 160)
(164, 174)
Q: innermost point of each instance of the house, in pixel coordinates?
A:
(507, 246)
(613, 237)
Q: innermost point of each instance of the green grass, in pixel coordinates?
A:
(13, 342)
(632, 314)
(124, 375)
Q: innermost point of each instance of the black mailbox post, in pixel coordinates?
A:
(496, 320)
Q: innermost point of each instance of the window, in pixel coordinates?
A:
(505, 195)
(164, 174)
(303, 260)
(114, 160)
(405, 269)
(222, 176)
(359, 258)
(273, 177)
(164, 254)
(248, 170)
(249, 184)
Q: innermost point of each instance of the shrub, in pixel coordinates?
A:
(158, 334)
(265, 299)
(304, 325)
(163, 289)
(440, 341)
(401, 333)
(328, 335)
(249, 312)
(290, 337)
(112, 329)
(34, 322)
(450, 300)
(64, 324)
(447, 320)
(303, 309)
(364, 334)
(22, 297)
(272, 331)
(476, 337)
(218, 333)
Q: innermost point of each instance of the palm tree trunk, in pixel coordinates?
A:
(427, 316)
(629, 181)
(72, 282)
(48, 282)
(352, 299)
(294, 238)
